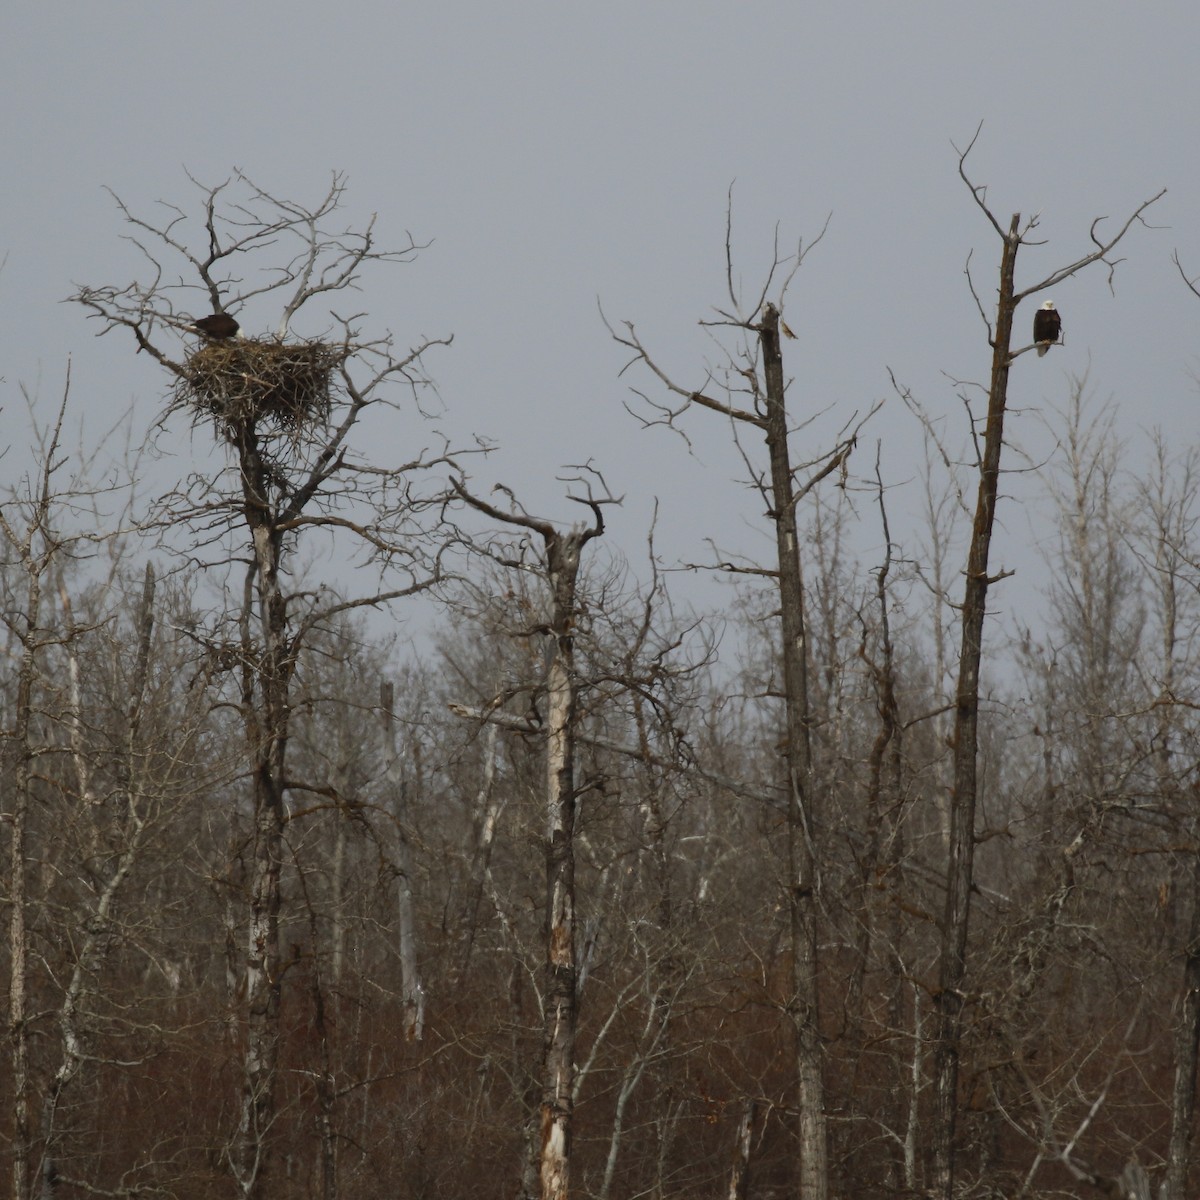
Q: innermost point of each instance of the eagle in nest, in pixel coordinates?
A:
(219, 327)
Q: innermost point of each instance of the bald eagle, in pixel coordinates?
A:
(218, 326)
(1047, 325)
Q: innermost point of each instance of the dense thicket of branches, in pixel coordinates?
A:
(1086, 886)
(410, 969)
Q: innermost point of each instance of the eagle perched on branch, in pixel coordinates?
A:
(1047, 325)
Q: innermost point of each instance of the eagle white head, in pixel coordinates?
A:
(1048, 304)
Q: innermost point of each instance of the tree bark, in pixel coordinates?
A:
(563, 556)
(267, 670)
(739, 1175)
(18, 935)
(802, 818)
(1187, 1045)
(489, 805)
(412, 991)
(950, 996)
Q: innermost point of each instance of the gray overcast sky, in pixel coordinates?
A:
(560, 153)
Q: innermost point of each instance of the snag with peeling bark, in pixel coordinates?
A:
(562, 553)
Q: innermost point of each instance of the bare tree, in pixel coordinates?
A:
(413, 991)
(285, 410)
(96, 927)
(41, 540)
(951, 996)
(1175, 558)
(758, 370)
(33, 545)
(561, 557)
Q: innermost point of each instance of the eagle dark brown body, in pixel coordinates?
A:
(219, 325)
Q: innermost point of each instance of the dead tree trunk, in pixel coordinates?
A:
(266, 675)
(489, 805)
(783, 493)
(951, 997)
(802, 817)
(739, 1175)
(18, 934)
(562, 559)
(961, 865)
(412, 992)
(562, 556)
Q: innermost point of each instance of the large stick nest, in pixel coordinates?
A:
(242, 382)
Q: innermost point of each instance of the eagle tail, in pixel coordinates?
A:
(1042, 348)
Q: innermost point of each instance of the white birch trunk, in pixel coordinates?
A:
(412, 991)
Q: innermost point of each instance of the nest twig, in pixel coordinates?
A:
(252, 381)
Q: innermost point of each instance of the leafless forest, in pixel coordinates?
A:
(904, 902)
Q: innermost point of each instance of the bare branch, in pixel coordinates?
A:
(802, 252)
(978, 191)
(632, 341)
(987, 324)
(252, 230)
(733, 297)
(521, 724)
(1099, 255)
(1191, 283)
